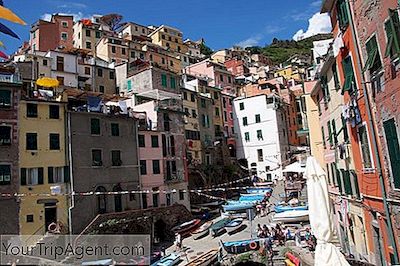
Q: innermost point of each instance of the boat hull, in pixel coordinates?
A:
(170, 260)
(219, 227)
(238, 247)
(279, 209)
(206, 259)
(202, 231)
(234, 225)
(291, 216)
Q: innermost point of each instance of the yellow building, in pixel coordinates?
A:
(192, 130)
(215, 94)
(291, 72)
(43, 165)
(163, 58)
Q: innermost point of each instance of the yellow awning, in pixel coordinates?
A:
(47, 82)
(7, 14)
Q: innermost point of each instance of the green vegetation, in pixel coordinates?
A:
(205, 50)
(281, 50)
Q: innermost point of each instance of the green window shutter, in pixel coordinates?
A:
(344, 128)
(335, 140)
(335, 76)
(389, 35)
(330, 133)
(40, 175)
(50, 179)
(357, 188)
(129, 85)
(323, 137)
(173, 82)
(164, 80)
(339, 180)
(395, 23)
(349, 74)
(66, 174)
(347, 182)
(393, 147)
(372, 51)
(23, 176)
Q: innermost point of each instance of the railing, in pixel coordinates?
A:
(10, 78)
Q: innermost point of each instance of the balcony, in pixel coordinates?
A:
(14, 78)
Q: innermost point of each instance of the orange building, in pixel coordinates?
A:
(362, 137)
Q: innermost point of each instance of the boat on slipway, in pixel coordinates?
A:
(169, 260)
(241, 246)
(234, 225)
(202, 231)
(291, 216)
(206, 259)
(284, 208)
(187, 227)
(218, 227)
(259, 190)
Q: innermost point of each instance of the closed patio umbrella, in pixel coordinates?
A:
(320, 214)
(7, 14)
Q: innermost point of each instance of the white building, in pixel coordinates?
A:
(262, 138)
(64, 67)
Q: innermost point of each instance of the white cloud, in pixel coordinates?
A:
(316, 3)
(77, 16)
(318, 23)
(72, 5)
(252, 41)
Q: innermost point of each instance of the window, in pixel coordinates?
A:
(221, 78)
(5, 98)
(259, 135)
(156, 167)
(56, 174)
(113, 49)
(205, 121)
(101, 88)
(330, 133)
(123, 51)
(116, 158)
(260, 155)
(373, 63)
(229, 79)
(216, 111)
(224, 102)
(342, 14)
(45, 62)
(60, 80)
(142, 141)
(173, 82)
(5, 135)
(114, 129)
(32, 176)
(344, 128)
(166, 122)
(31, 110)
(231, 115)
(216, 96)
(54, 141)
(154, 142)
(350, 81)
(87, 33)
(164, 80)
(181, 195)
(133, 54)
(5, 174)
(129, 85)
(65, 24)
(87, 70)
(323, 137)
(334, 135)
(245, 121)
(233, 130)
(60, 63)
(163, 60)
(163, 36)
(192, 97)
(258, 118)
(29, 218)
(247, 136)
(392, 28)
(88, 45)
(171, 63)
(203, 103)
(143, 167)
(225, 116)
(95, 126)
(366, 154)
(392, 143)
(98, 34)
(54, 112)
(194, 114)
(99, 72)
(185, 96)
(241, 106)
(96, 158)
(325, 90)
(172, 145)
(31, 141)
(64, 36)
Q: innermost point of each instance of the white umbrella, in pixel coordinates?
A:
(320, 213)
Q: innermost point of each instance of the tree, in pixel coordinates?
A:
(112, 20)
(205, 50)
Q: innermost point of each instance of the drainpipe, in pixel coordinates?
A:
(374, 138)
(70, 173)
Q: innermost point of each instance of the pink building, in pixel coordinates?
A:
(53, 34)
(237, 67)
(152, 170)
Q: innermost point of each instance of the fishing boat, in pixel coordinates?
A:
(283, 208)
(259, 190)
(233, 215)
(291, 216)
(202, 231)
(241, 246)
(262, 184)
(234, 225)
(251, 197)
(219, 226)
(206, 259)
(185, 228)
(170, 260)
(238, 206)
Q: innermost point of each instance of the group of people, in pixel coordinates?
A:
(280, 234)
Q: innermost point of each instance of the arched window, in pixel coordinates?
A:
(101, 200)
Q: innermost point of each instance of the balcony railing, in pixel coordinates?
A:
(15, 78)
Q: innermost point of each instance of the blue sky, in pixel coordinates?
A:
(222, 23)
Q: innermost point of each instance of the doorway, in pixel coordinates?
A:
(379, 259)
(50, 214)
(117, 199)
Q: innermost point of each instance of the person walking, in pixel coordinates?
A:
(297, 237)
